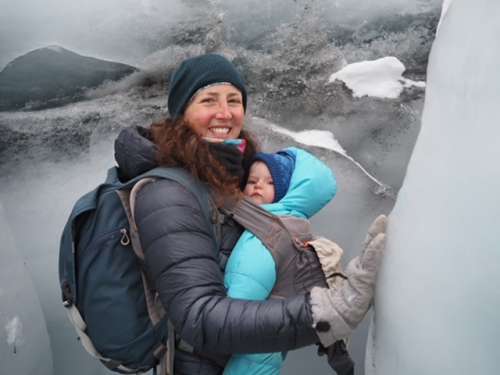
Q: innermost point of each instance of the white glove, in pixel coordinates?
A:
(336, 312)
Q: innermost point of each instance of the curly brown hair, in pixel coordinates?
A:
(179, 146)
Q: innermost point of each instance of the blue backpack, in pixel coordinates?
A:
(109, 300)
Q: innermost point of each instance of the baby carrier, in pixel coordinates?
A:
(105, 290)
(302, 262)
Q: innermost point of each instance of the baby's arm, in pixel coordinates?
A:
(251, 275)
(250, 271)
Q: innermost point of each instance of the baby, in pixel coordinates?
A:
(262, 185)
(291, 182)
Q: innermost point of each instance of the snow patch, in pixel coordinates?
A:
(318, 138)
(14, 329)
(382, 78)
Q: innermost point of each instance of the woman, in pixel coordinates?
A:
(207, 103)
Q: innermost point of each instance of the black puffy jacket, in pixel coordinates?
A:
(187, 270)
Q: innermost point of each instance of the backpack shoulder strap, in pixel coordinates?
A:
(202, 194)
(127, 193)
(200, 190)
(128, 201)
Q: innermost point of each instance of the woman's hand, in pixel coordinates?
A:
(336, 312)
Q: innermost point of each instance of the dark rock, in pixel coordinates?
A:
(53, 76)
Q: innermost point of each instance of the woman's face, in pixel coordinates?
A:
(216, 112)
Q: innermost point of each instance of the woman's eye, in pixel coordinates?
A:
(207, 100)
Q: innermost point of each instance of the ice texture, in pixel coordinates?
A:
(24, 341)
(14, 329)
(444, 10)
(36, 223)
(437, 303)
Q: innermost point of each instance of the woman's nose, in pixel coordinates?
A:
(223, 111)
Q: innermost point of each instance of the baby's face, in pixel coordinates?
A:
(260, 185)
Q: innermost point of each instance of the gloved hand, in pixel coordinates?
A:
(336, 312)
(229, 156)
(338, 357)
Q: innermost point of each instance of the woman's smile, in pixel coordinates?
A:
(218, 132)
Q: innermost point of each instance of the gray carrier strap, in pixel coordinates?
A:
(272, 230)
(251, 217)
(266, 226)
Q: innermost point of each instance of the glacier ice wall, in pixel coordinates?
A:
(437, 302)
(30, 229)
(24, 341)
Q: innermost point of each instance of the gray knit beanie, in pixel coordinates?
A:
(198, 72)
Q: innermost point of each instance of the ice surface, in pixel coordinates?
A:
(444, 10)
(381, 78)
(24, 341)
(438, 301)
(37, 221)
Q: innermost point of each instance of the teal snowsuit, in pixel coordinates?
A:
(251, 271)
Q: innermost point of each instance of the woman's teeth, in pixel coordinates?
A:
(220, 131)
